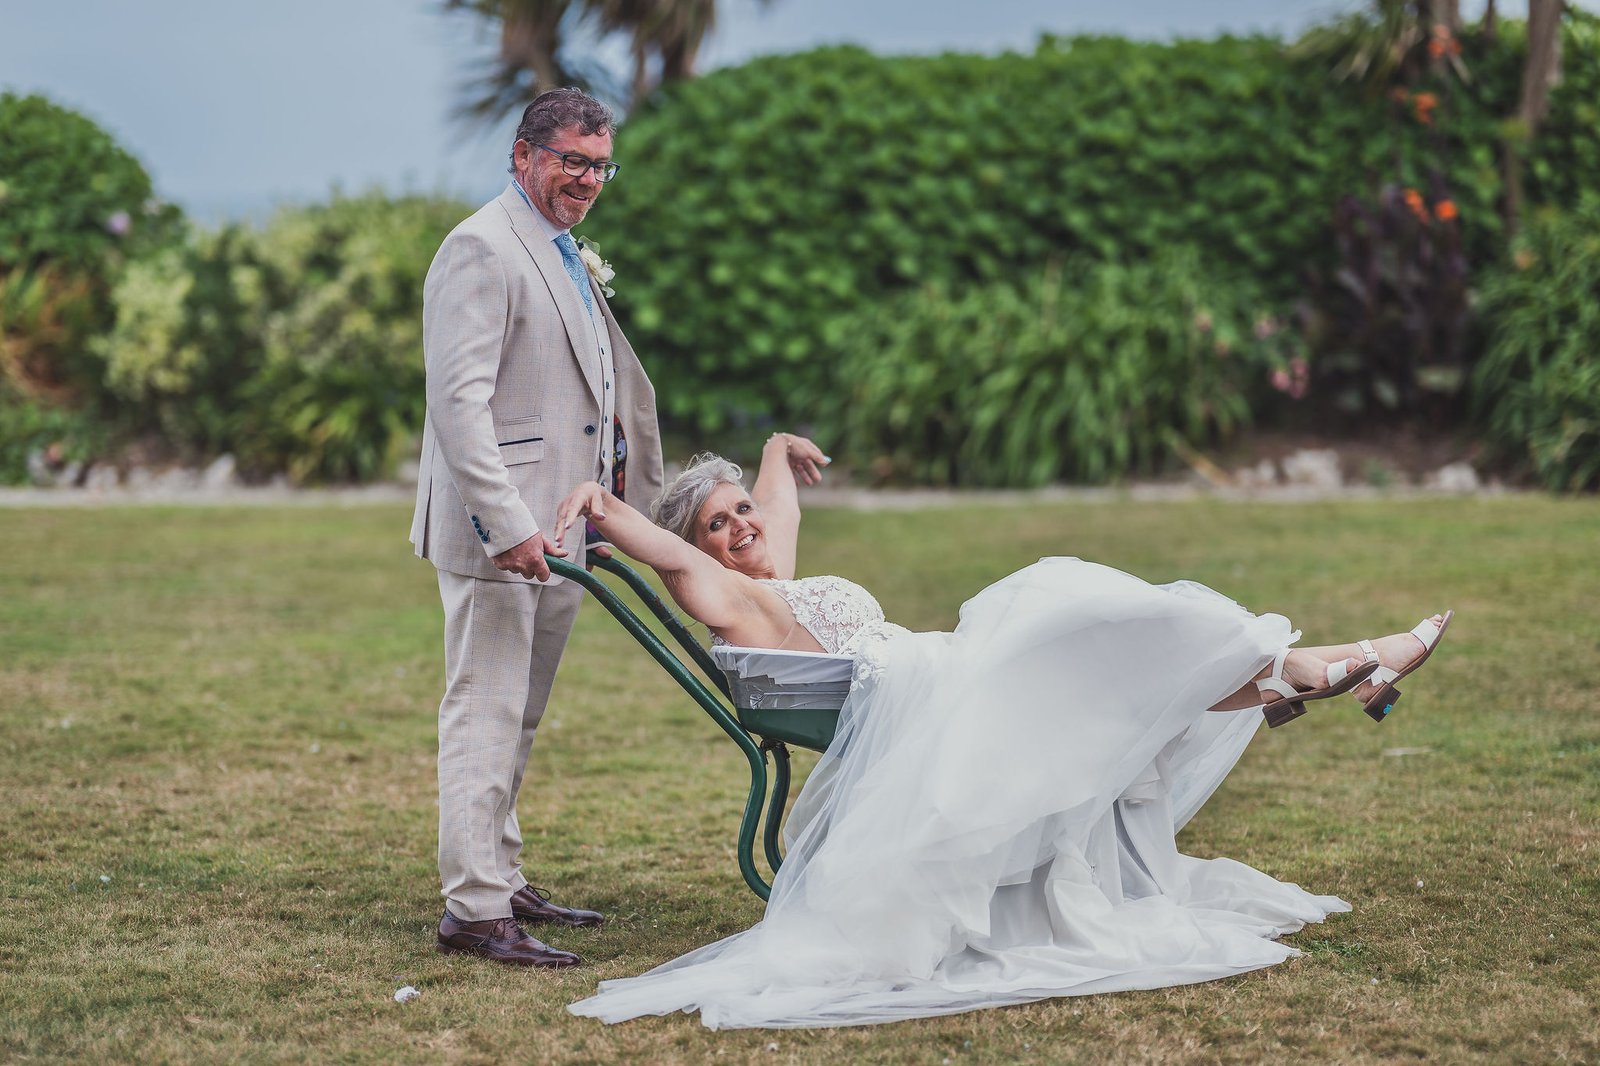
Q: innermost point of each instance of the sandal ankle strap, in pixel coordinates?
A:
(1274, 681)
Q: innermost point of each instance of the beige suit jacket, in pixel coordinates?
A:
(514, 394)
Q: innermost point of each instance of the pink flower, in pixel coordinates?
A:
(1265, 327)
(1280, 380)
(1299, 377)
(118, 224)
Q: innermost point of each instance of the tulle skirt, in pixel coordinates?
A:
(994, 821)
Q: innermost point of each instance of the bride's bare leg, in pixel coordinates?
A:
(1396, 651)
(1305, 669)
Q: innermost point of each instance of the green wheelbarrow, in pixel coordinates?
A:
(765, 700)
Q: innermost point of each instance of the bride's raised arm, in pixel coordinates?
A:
(715, 596)
(787, 461)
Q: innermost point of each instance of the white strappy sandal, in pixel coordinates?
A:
(1381, 702)
(1293, 704)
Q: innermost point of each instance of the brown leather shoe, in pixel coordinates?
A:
(531, 904)
(500, 939)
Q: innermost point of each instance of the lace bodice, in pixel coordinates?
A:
(839, 613)
(832, 609)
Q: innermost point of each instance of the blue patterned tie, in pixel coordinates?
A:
(575, 269)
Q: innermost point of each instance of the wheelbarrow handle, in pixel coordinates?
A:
(697, 691)
(647, 595)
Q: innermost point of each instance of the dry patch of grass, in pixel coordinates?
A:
(217, 741)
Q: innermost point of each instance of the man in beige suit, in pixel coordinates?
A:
(532, 389)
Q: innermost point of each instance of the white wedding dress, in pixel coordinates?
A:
(994, 821)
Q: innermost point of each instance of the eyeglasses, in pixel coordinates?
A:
(576, 166)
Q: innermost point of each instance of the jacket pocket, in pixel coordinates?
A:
(520, 441)
(507, 429)
(517, 452)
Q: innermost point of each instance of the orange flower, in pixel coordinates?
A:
(1413, 200)
(1425, 103)
(1445, 210)
(1443, 41)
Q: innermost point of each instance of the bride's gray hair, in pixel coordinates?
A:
(681, 500)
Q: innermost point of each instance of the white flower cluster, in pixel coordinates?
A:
(598, 268)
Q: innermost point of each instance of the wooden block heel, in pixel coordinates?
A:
(1282, 711)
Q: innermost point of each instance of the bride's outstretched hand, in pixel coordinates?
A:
(585, 501)
(804, 458)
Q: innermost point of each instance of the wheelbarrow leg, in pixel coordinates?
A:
(752, 817)
(780, 798)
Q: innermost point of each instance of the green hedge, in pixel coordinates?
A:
(762, 203)
(1538, 385)
(807, 227)
(1085, 373)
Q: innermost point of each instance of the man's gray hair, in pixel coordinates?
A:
(561, 109)
(681, 501)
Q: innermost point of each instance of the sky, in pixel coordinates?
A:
(235, 108)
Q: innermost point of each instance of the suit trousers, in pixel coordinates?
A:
(502, 642)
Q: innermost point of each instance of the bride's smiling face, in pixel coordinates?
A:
(729, 528)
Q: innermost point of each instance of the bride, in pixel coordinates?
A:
(994, 820)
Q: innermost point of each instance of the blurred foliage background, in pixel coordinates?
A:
(1075, 264)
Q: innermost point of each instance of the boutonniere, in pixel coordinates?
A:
(600, 270)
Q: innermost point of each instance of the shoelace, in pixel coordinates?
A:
(507, 929)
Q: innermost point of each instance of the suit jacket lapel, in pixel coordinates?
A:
(569, 304)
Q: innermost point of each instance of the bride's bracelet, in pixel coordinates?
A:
(787, 441)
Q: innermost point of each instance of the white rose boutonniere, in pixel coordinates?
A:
(600, 270)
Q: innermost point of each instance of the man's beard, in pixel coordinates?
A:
(570, 212)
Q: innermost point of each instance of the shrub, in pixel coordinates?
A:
(58, 435)
(188, 341)
(298, 348)
(340, 392)
(1390, 318)
(1389, 324)
(1087, 372)
(73, 206)
(73, 198)
(45, 314)
(1537, 388)
(1565, 159)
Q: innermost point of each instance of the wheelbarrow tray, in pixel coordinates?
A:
(788, 696)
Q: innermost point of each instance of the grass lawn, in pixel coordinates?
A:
(217, 755)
